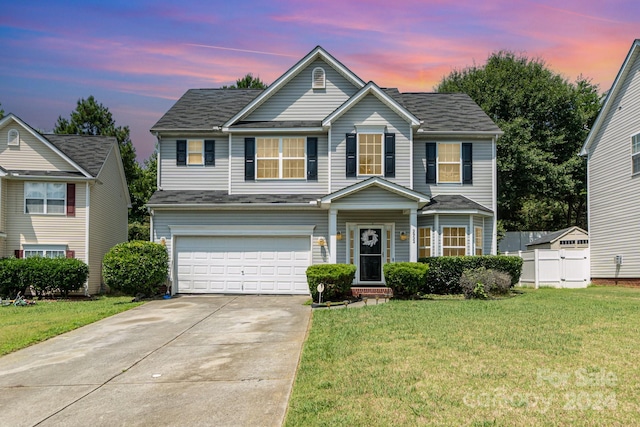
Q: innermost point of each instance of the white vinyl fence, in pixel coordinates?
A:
(558, 268)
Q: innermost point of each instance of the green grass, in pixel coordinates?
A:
(23, 326)
(545, 357)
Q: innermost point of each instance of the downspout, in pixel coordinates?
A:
(494, 175)
(158, 164)
(86, 232)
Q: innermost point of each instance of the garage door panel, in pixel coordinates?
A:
(274, 264)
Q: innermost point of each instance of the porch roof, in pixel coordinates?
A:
(421, 199)
(454, 203)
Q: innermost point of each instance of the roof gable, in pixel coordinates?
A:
(316, 53)
(372, 89)
(618, 83)
(422, 199)
(44, 141)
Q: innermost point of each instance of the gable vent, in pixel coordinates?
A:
(318, 78)
(13, 137)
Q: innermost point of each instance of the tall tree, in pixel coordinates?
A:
(142, 188)
(545, 119)
(247, 82)
(1, 111)
(93, 118)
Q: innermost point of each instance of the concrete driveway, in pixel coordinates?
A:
(187, 361)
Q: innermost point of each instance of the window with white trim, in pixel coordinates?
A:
(454, 241)
(195, 152)
(478, 238)
(635, 153)
(45, 198)
(369, 154)
(424, 242)
(318, 78)
(281, 158)
(13, 137)
(45, 251)
(449, 162)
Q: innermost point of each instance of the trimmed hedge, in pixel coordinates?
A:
(337, 280)
(136, 268)
(43, 275)
(445, 271)
(405, 278)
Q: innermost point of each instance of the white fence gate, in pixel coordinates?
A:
(558, 268)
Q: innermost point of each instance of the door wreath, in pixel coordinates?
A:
(369, 238)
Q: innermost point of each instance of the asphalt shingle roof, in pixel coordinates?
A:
(175, 197)
(550, 237)
(445, 202)
(203, 109)
(88, 151)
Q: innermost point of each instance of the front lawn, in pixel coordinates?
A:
(546, 357)
(23, 326)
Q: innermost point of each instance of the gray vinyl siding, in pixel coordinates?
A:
(372, 196)
(277, 186)
(40, 229)
(163, 219)
(374, 217)
(107, 218)
(487, 232)
(175, 177)
(481, 191)
(369, 111)
(614, 194)
(298, 101)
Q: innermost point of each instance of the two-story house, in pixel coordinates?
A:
(61, 195)
(321, 167)
(612, 149)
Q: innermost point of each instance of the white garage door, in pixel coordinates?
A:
(252, 265)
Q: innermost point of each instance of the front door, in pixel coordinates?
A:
(370, 254)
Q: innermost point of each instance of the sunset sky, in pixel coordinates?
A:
(138, 57)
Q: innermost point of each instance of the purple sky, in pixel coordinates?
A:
(138, 57)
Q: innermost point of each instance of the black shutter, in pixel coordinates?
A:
(312, 159)
(467, 163)
(18, 253)
(209, 152)
(351, 155)
(249, 159)
(431, 162)
(390, 155)
(181, 152)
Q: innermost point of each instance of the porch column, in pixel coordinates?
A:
(472, 237)
(333, 241)
(413, 227)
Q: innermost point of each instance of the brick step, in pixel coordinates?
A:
(371, 291)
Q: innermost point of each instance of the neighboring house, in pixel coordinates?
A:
(61, 195)
(256, 185)
(613, 178)
(568, 238)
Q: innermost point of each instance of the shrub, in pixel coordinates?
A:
(68, 275)
(445, 272)
(405, 278)
(481, 283)
(136, 267)
(11, 277)
(139, 231)
(337, 280)
(43, 275)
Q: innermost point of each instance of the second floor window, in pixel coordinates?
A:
(635, 153)
(369, 154)
(280, 158)
(195, 152)
(45, 198)
(449, 163)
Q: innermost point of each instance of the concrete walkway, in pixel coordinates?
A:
(187, 361)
